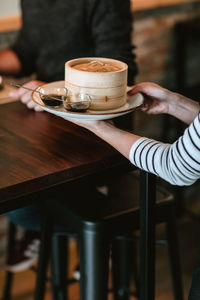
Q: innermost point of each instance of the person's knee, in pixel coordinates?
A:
(16, 216)
(27, 217)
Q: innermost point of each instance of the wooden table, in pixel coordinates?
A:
(40, 150)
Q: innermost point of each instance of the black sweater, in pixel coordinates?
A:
(55, 31)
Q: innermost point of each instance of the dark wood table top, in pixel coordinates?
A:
(39, 150)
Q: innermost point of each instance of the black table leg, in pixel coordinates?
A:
(44, 255)
(59, 266)
(94, 254)
(123, 266)
(147, 235)
(9, 275)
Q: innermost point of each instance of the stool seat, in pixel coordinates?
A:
(116, 213)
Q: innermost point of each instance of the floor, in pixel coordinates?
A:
(188, 229)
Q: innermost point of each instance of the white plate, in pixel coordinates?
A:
(132, 103)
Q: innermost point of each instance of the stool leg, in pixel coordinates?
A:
(124, 265)
(134, 268)
(9, 275)
(147, 236)
(59, 262)
(179, 197)
(174, 258)
(94, 253)
(44, 254)
(7, 287)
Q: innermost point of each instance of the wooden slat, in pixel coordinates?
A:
(10, 23)
(13, 22)
(148, 4)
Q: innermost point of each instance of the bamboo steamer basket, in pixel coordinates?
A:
(107, 90)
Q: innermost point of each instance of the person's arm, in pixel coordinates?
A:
(121, 140)
(184, 109)
(179, 163)
(159, 100)
(20, 58)
(9, 62)
(25, 46)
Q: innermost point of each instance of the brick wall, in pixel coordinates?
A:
(154, 38)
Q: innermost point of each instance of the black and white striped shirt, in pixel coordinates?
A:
(177, 163)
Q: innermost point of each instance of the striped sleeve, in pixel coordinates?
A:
(177, 163)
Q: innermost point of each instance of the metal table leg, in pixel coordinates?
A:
(147, 235)
(93, 265)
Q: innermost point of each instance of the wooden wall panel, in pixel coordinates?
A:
(10, 23)
(147, 4)
(13, 22)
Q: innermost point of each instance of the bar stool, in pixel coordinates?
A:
(60, 242)
(9, 275)
(100, 222)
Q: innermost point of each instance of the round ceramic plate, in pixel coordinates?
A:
(132, 103)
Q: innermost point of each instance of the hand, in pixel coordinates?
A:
(157, 100)
(26, 96)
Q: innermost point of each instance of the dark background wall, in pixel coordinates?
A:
(154, 37)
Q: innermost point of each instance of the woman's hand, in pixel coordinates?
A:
(157, 100)
(26, 96)
(162, 101)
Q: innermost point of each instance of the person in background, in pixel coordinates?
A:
(177, 163)
(52, 33)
